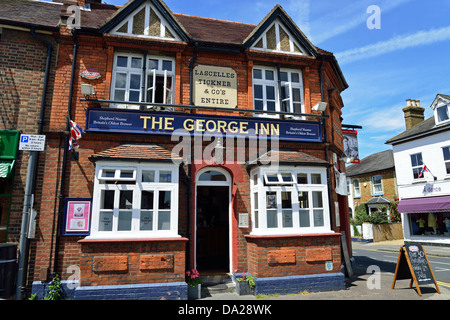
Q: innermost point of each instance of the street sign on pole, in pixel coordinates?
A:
(32, 142)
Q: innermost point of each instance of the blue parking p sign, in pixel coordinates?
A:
(32, 142)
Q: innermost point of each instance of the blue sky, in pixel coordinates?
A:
(407, 58)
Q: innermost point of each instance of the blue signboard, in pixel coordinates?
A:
(167, 123)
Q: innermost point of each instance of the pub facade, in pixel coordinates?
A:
(176, 142)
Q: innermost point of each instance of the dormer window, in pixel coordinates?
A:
(442, 113)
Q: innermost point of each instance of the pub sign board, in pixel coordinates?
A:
(168, 123)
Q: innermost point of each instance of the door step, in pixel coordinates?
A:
(217, 283)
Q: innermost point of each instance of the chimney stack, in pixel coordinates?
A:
(413, 113)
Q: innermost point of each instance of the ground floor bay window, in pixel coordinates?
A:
(135, 200)
(291, 200)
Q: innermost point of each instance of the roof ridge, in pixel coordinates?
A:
(214, 19)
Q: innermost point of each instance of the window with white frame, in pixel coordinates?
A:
(356, 189)
(293, 200)
(135, 201)
(377, 186)
(417, 165)
(446, 151)
(266, 93)
(129, 85)
(442, 113)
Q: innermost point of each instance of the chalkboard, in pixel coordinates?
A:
(413, 264)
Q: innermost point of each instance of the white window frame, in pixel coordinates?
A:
(380, 185)
(288, 214)
(446, 161)
(445, 107)
(288, 85)
(168, 92)
(356, 188)
(102, 184)
(418, 167)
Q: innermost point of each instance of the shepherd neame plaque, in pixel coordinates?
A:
(215, 86)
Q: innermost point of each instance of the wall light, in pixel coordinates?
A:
(321, 106)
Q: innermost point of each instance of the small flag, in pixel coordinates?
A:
(424, 169)
(75, 134)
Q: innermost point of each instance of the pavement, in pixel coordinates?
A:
(360, 285)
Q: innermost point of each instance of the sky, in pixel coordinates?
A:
(388, 50)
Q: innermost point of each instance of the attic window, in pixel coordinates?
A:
(276, 38)
(145, 21)
(442, 113)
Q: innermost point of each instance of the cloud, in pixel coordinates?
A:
(397, 43)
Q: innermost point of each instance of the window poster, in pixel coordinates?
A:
(77, 216)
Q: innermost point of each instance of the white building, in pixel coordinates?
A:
(422, 165)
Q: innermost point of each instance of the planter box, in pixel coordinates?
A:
(194, 292)
(243, 288)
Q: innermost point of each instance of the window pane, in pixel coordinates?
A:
(316, 178)
(303, 201)
(295, 77)
(121, 80)
(152, 64)
(107, 201)
(286, 201)
(304, 218)
(284, 76)
(297, 107)
(135, 81)
(165, 176)
(126, 199)
(287, 218)
(272, 221)
(147, 200)
(446, 153)
(259, 105)
(167, 65)
(269, 75)
(148, 176)
(164, 220)
(270, 106)
(255, 200)
(416, 159)
(136, 63)
(127, 174)
(270, 93)
(124, 221)
(302, 178)
(271, 198)
(212, 175)
(164, 200)
(447, 166)
(122, 61)
(296, 94)
(108, 173)
(134, 96)
(286, 176)
(105, 221)
(257, 74)
(258, 91)
(272, 177)
(119, 95)
(317, 199)
(442, 113)
(146, 222)
(318, 218)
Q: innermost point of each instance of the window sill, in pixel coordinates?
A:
(112, 240)
(303, 235)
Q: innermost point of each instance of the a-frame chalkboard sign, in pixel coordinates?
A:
(413, 264)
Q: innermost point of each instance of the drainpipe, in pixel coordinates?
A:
(21, 280)
(66, 148)
(329, 177)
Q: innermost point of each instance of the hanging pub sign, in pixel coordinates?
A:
(90, 74)
(413, 264)
(351, 144)
(77, 217)
(168, 123)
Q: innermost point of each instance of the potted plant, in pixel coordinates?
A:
(194, 284)
(245, 284)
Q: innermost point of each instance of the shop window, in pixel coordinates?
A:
(417, 165)
(377, 186)
(267, 96)
(291, 201)
(135, 202)
(446, 151)
(129, 85)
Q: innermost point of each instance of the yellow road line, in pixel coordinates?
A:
(444, 284)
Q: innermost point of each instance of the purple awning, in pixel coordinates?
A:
(423, 205)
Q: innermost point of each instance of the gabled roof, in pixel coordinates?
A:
(375, 162)
(278, 13)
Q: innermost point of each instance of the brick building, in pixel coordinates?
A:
(372, 181)
(204, 146)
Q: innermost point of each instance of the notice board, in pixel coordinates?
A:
(413, 264)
